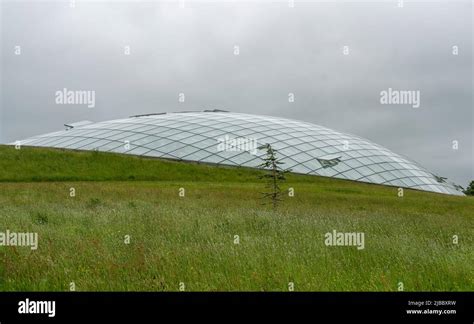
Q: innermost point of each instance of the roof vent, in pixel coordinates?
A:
(77, 124)
(145, 115)
(329, 160)
(178, 112)
(216, 110)
(440, 179)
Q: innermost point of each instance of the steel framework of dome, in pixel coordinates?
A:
(198, 136)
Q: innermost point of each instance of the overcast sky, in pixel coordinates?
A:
(190, 49)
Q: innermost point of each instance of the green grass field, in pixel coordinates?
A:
(191, 239)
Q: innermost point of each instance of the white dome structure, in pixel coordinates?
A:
(226, 138)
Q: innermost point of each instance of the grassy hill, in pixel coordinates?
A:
(191, 239)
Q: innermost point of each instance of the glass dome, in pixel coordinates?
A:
(226, 138)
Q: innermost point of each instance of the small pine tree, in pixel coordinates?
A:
(274, 175)
(470, 189)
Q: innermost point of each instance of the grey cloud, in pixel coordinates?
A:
(282, 50)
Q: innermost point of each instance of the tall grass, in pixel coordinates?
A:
(191, 239)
